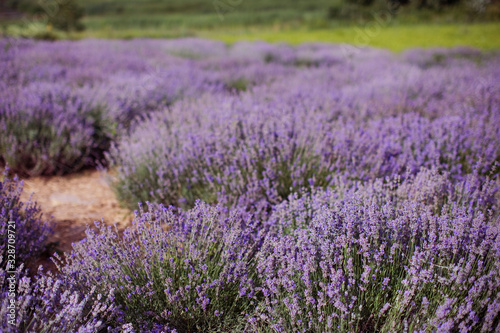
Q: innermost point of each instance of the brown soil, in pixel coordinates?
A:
(74, 202)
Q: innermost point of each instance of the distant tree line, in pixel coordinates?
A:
(429, 4)
(363, 9)
(61, 14)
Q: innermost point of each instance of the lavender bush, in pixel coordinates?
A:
(43, 302)
(350, 264)
(51, 130)
(48, 303)
(189, 271)
(29, 230)
(116, 84)
(241, 151)
(253, 159)
(62, 103)
(429, 188)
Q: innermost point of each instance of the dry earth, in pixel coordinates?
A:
(74, 202)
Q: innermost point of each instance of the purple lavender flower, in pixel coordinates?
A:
(21, 226)
(337, 247)
(195, 267)
(51, 303)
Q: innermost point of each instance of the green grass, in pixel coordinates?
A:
(395, 38)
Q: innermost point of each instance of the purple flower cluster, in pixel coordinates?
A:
(47, 303)
(382, 256)
(50, 129)
(61, 104)
(343, 260)
(186, 271)
(40, 303)
(21, 222)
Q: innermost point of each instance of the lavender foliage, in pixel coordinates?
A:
(61, 104)
(345, 262)
(21, 222)
(50, 129)
(188, 271)
(343, 191)
(391, 255)
(112, 85)
(367, 117)
(49, 303)
(255, 148)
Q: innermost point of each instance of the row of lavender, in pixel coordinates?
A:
(62, 105)
(420, 255)
(371, 117)
(343, 189)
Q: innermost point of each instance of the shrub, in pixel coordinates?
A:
(50, 130)
(43, 302)
(48, 303)
(34, 30)
(353, 264)
(188, 271)
(67, 16)
(27, 233)
(335, 92)
(256, 148)
(227, 156)
(139, 94)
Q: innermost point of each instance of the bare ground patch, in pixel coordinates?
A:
(74, 202)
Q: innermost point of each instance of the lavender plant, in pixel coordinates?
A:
(50, 130)
(22, 222)
(43, 302)
(235, 159)
(49, 303)
(347, 264)
(341, 92)
(354, 191)
(190, 271)
(257, 148)
(363, 257)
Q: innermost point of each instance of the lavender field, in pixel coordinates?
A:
(277, 188)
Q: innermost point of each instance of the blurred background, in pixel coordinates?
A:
(392, 24)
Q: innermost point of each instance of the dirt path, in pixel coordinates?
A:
(75, 201)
